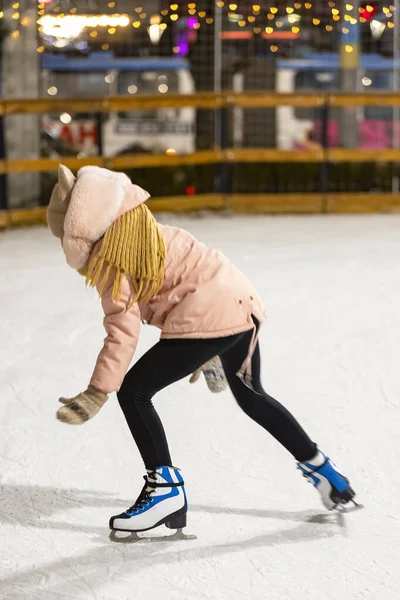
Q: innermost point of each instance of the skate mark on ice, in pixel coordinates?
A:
(145, 559)
(308, 516)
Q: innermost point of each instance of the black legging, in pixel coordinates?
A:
(171, 360)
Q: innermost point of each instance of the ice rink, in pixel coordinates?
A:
(331, 353)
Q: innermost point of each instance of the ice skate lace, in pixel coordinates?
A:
(145, 497)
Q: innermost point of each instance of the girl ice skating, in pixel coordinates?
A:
(205, 308)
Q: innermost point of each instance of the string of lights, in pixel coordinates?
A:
(61, 20)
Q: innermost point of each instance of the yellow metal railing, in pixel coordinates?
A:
(310, 203)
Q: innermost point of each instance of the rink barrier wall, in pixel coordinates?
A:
(252, 203)
(206, 100)
(354, 203)
(204, 157)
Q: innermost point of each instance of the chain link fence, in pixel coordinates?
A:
(100, 48)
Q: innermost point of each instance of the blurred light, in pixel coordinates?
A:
(349, 7)
(111, 4)
(241, 23)
(93, 34)
(295, 18)
(273, 48)
(52, 91)
(163, 88)
(349, 49)
(335, 11)
(269, 30)
(251, 19)
(279, 24)
(65, 118)
(210, 20)
(220, 4)
(61, 43)
(40, 49)
(367, 11)
(139, 9)
(316, 21)
(174, 17)
(112, 30)
(155, 32)
(174, 7)
(15, 15)
(329, 27)
(377, 29)
(295, 29)
(289, 10)
(132, 89)
(109, 78)
(366, 81)
(202, 14)
(274, 10)
(345, 30)
(105, 47)
(233, 6)
(257, 30)
(234, 17)
(71, 26)
(256, 7)
(308, 5)
(15, 34)
(136, 24)
(170, 151)
(190, 190)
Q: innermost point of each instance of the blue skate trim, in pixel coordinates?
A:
(328, 471)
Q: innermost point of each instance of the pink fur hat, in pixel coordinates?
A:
(91, 203)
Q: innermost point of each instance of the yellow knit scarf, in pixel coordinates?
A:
(134, 246)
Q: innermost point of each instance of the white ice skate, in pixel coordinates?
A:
(161, 501)
(333, 487)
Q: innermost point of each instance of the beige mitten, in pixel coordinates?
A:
(82, 407)
(214, 375)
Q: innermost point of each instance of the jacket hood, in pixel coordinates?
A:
(97, 198)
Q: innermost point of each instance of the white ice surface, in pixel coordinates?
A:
(330, 352)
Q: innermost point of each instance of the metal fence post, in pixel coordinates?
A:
(3, 177)
(324, 168)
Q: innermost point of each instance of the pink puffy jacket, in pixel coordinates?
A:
(203, 296)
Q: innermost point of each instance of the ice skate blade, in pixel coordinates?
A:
(133, 537)
(348, 509)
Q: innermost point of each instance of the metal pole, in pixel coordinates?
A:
(217, 71)
(395, 88)
(349, 72)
